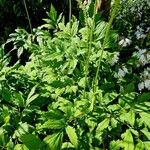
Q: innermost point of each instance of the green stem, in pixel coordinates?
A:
(70, 12)
(116, 4)
(30, 25)
(89, 49)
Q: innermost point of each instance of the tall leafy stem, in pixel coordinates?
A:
(27, 12)
(90, 38)
(116, 4)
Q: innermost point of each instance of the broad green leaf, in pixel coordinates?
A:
(130, 88)
(128, 117)
(54, 124)
(10, 144)
(145, 118)
(127, 98)
(31, 141)
(131, 117)
(109, 97)
(2, 136)
(7, 119)
(74, 29)
(61, 26)
(91, 122)
(54, 141)
(6, 94)
(146, 133)
(19, 51)
(19, 100)
(147, 145)
(67, 145)
(53, 13)
(32, 98)
(114, 123)
(102, 125)
(143, 97)
(71, 132)
(81, 83)
(20, 147)
(52, 114)
(139, 146)
(31, 92)
(100, 30)
(128, 142)
(64, 105)
(72, 65)
(135, 132)
(22, 129)
(115, 145)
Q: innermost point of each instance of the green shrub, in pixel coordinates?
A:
(74, 93)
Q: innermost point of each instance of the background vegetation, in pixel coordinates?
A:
(75, 82)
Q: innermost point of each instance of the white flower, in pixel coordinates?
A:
(141, 86)
(148, 57)
(142, 51)
(142, 59)
(139, 33)
(125, 69)
(121, 72)
(114, 59)
(147, 84)
(125, 42)
(146, 73)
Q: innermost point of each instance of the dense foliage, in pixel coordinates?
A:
(14, 14)
(77, 91)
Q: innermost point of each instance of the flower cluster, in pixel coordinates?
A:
(113, 58)
(140, 33)
(125, 42)
(145, 80)
(142, 56)
(121, 72)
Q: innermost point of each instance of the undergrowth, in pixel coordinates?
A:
(74, 92)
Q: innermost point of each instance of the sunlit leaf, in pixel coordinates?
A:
(146, 133)
(139, 146)
(145, 118)
(54, 141)
(71, 132)
(54, 124)
(102, 125)
(128, 142)
(20, 147)
(147, 145)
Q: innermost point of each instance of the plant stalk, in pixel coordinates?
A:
(27, 12)
(70, 12)
(116, 4)
(89, 48)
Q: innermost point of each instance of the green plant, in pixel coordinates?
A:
(47, 103)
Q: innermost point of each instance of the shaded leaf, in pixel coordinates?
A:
(53, 13)
(31, 141)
